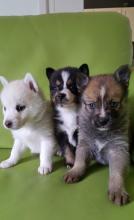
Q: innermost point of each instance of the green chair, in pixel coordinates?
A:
(30, 44)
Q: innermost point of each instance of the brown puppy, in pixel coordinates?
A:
(103, 129)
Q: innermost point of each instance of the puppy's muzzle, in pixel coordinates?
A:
(61, 98)
(8, 124)
(102, 121)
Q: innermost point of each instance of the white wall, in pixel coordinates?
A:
(66, 5)
(23, 7)
(34, 7)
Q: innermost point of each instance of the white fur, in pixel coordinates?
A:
(32, 128)
(102, 94)
(69, 117)
(100, 144)
(102, 129)
(65, 76)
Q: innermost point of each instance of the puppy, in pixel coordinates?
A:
(65, 100)
(29, 117)
(103, 130)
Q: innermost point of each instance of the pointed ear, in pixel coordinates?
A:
(49, 72)
(122, 74)
(84, 69)
(30, 81)
(82, 81)
(3, 81)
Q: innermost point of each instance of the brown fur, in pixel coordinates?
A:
(114, 91)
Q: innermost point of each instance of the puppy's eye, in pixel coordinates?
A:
(20, 108)
(70, 86)
(114, 104)
(92, 105)
(54, 88)
(4, 108)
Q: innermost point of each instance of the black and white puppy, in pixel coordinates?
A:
(65, 98)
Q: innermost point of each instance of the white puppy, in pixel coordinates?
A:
(29, 117)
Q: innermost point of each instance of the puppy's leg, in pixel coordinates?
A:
(118, 163)
(66, 149)
(69, 156)
(46, 154)
(16, 152)
(80, 165)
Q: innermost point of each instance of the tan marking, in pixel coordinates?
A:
(58, 82)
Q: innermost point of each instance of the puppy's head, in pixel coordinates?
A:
(63, 85)
(104, 97)
(21, 101)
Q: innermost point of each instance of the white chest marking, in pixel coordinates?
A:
(100, 145)
(69, 118)
(29, 138)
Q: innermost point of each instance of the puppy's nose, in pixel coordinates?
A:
(62, 96)
(103, 120)
(8, 124)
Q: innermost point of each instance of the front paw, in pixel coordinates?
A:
(119, 197)
(59, 153)
(44, 170)
(6, 164)
(72, 176)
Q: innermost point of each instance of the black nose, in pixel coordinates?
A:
(62, 96)
(103, 120)
(8, 124)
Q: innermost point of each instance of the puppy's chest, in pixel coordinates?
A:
(29, 138)
(99, 144)
(97, 150)
(68, 122)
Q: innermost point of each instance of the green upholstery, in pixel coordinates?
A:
(30, 44)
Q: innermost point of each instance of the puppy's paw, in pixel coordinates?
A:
(6, 164)
(68, 166)
(119, 197)
(72, 176)
(43, 170)
(59, 153)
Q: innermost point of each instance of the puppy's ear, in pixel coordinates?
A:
(82, 81)
(84, 69)
(3, 81)
(82, 77)
(122, 74)
(30, 81)
(49, 72)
